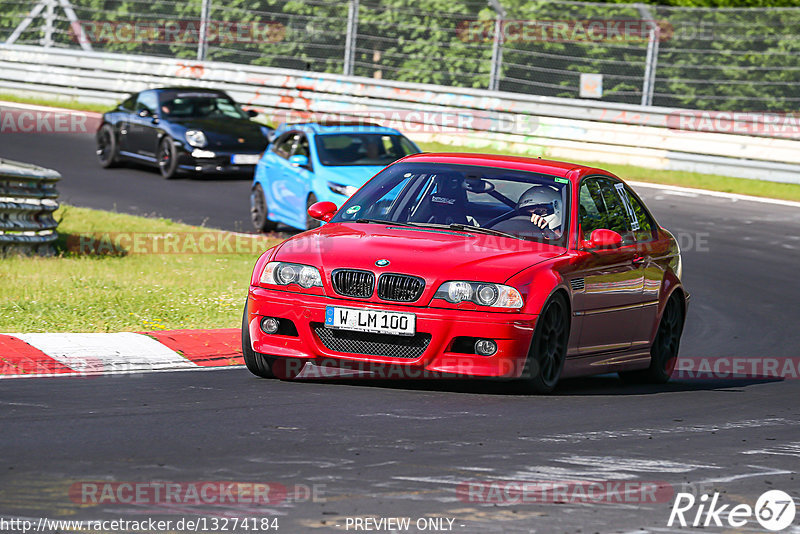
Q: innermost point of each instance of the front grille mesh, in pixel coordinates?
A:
(387, 345)
(353, 283)
(400, 287)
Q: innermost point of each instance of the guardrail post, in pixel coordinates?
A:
(202, 39)
(497, 45)
(350, 39)
(648, 85)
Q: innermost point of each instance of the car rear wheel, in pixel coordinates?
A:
(107, 149)
(664, 352)
(259, 210)
(549, 347)
(311, 222)
(167, 159)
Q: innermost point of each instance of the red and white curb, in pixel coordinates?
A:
(65, 355)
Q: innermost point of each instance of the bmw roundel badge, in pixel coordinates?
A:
(382, 263)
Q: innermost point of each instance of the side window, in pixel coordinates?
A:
(129, 104)
(641, 223)
(283, 145)
(600, 206)
(301, 146)
(147, 100)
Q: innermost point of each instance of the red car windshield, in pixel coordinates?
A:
(477, 199)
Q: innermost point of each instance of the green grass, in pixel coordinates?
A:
(126, 291)
(743, 186)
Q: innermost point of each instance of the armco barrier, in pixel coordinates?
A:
(578, 130)
(27, 202)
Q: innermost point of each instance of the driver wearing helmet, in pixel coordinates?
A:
(540, 205)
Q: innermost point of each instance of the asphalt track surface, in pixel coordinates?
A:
(402, 449)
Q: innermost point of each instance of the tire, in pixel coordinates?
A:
(257, 363)
(107, 148)
(311, 222)
(664, 352)
(264, 365)
(259, 210)
(548, 350)
(167, 158)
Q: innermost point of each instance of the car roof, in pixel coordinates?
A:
(337, 127)
(561, 169)
(188, 88)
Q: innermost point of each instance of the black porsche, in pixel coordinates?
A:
(189, 129)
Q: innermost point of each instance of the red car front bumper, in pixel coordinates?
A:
(443, 336)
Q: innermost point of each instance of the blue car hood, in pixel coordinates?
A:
(357, 175)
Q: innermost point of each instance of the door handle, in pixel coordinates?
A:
(638, 260)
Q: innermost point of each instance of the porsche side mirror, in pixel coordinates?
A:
(298, 160)
(322, 211)
(603, 238)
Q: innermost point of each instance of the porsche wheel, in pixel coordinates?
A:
(664, 352)
(257, 363)
(549, 347)
(259, 210)
(167, 159)
(107, 149)
(311, 222)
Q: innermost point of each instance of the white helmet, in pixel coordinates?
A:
(547, 199)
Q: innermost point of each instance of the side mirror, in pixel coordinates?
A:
(298, 160)
(144, 113)
(252, 113)
(322, 211)
(603, 238)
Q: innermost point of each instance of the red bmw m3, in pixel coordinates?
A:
(474, 266)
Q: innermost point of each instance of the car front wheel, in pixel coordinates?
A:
(167, 159)
(549, 347)
(259, 210)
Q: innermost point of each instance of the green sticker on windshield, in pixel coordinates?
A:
(353, 210)
(561, 180)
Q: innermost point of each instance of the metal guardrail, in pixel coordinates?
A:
(559, 128)
(27, 202)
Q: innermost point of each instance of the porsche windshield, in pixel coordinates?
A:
(199, 105)
(468, 198)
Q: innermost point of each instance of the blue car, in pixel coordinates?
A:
(314, 162)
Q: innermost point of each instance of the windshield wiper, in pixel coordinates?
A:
(481, 230)
(390, 223)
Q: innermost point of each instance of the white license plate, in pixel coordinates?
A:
(376, 321)
(245, 159)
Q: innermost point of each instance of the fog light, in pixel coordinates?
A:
(269, 325)
(485, 347)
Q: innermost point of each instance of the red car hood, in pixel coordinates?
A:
(433, 254)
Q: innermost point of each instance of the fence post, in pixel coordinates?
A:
(350, 39)
(651, 58)
(202, 39)
(49, 20)
(497, 45)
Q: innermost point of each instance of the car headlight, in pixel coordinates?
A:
(196, 138)
(346, 190)
(481, 293)
(282, 274)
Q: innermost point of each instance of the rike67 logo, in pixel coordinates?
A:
(774, 510)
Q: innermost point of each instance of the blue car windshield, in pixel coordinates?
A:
(199, 105)
(521, 204)
(362, 148)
